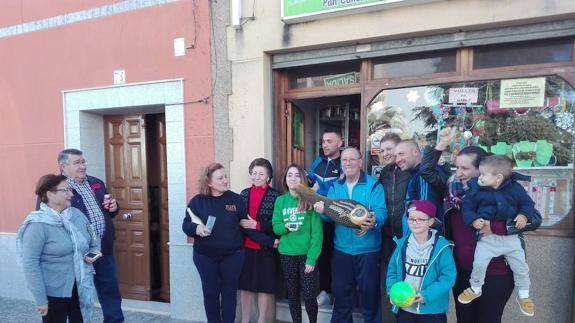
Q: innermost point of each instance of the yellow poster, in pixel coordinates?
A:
(522, 93)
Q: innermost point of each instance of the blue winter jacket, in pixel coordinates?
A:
(500, 204)
(369, 192)
(437, 280)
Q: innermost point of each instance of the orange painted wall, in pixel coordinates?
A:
(36, 67)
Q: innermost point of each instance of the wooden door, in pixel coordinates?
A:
(295, 134)
(160, 125)
(125, 142)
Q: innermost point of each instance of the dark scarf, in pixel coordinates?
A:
(455, 193)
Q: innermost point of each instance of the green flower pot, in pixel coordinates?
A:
(501, 148)
(523, 146)
(544, 152)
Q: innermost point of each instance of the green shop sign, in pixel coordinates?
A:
(342, 79)
(305, 10)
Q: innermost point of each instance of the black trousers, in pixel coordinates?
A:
(298, 281)
(489, 307)
(407, 317)
(62, 308)
(324, 261)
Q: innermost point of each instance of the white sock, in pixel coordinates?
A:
(476, 289)
(523, 293)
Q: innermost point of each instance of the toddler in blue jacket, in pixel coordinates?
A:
(496, 196)
(424, 259)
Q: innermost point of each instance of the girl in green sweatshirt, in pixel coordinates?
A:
(300, 231)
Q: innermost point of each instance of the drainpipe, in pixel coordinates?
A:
(573, 305)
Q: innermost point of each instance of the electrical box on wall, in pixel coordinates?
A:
(179, 46)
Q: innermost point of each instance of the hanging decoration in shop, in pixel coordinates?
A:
(565, 120)
(412, 96)
(470, 121)
(434, 95)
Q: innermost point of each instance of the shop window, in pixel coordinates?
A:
(338, 74)
(415, 64)
(523, 53)
(531, 120)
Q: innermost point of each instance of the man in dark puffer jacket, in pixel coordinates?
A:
(394, 181)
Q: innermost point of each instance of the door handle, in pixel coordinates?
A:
(127, 216)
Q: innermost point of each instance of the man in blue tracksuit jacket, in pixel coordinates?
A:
(356, 259)
(326, 168)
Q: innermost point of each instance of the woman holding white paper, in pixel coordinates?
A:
(213, 220)
(258, 278)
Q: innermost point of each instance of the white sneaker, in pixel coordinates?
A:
(323, 298)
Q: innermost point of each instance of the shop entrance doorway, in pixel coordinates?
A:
(307, 119)
(136, 174)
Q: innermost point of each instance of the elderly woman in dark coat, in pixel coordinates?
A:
(258, 278)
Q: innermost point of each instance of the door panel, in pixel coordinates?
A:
(164, 218)
(295, 134)
(126, 178)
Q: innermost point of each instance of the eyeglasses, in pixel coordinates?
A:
(417, 220)
(80, 162)
(65, 190)
(349, 160)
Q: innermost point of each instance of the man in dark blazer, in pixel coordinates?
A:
(91, 197)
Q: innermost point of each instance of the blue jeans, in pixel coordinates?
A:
(220, 277)
(347, 272)
(106, 284)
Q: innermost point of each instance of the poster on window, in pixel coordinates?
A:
(522, 93)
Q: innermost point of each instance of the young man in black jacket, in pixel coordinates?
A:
(394, 181)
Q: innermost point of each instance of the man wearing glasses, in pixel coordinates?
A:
(355, 259)
(90, 197)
